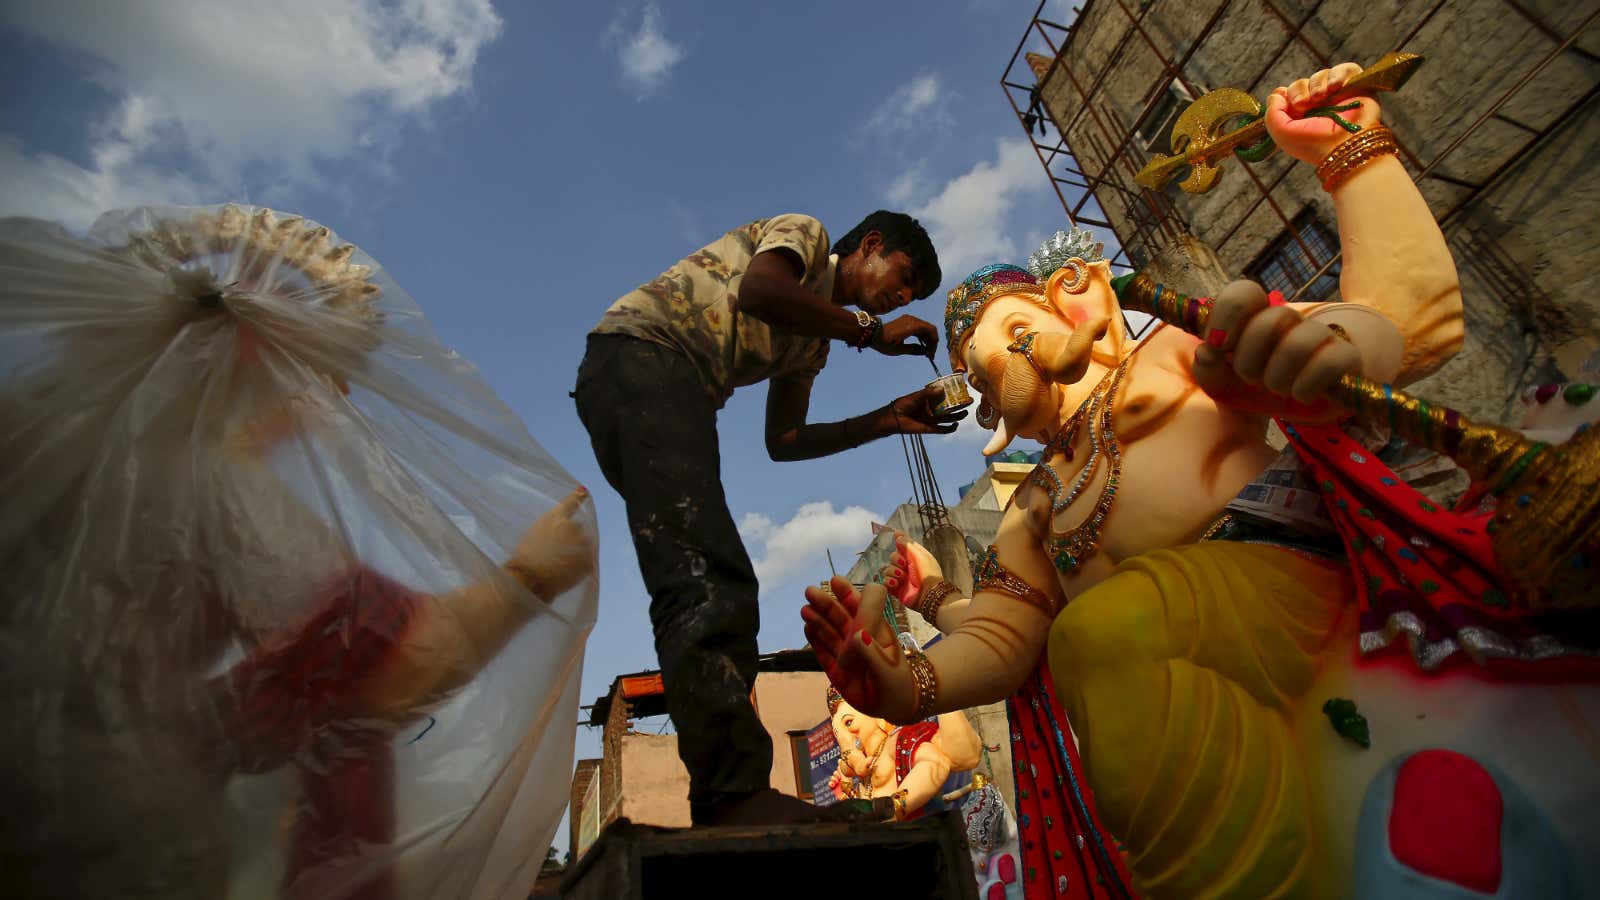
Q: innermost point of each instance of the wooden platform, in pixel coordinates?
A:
(926, 858)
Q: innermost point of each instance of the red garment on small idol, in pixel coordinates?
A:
(906, 742)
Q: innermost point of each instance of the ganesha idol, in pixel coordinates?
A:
(1277, 684)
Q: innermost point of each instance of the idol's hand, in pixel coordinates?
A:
(857, 649)
(558, 550)
(1311, 138)
(1275, 347)
(909, 569)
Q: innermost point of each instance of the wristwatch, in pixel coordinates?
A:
(870, 326)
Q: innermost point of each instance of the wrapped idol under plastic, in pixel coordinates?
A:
(294, 606)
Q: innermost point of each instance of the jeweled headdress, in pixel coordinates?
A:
(1064, 245)
(834, 699)
(967, 300)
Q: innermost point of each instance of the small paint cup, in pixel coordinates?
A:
(956, 396)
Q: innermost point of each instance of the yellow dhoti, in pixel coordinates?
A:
(1186, 675)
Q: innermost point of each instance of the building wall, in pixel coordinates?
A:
(789, 701)
(1523, 244)
(655, 785)
(582, 812)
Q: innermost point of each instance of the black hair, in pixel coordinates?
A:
(900, 232)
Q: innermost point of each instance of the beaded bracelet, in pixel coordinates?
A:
(933, 598)
(1354, 152)
(924, 683)
(899, 800)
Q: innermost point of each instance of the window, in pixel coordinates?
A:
(800, 750)
(1284, 265)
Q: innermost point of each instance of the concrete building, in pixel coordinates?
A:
(639, 776)
(1497, 127)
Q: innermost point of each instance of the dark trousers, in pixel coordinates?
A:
(654, 431)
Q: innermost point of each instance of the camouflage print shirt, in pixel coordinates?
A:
(693, 307)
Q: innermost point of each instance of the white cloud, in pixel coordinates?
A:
(782, 551)
(644, 52)
(920, 105)
(969, 435)
(967, 218)
(216, 100)
(904, 190)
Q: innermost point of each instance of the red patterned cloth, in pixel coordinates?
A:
(286, 702)
(1066, 852)
(906, 742)
(1430, 574)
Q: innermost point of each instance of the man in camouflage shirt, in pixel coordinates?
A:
(761, 303)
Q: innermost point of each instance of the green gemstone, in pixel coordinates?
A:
(1358, 543)
(1327, 486)
(1367, 513)
(1494, 597)
(1374, 582)
(1577, 394)
(1058, 854)
(1427, 507)
(1346, 722)
(1428, 587)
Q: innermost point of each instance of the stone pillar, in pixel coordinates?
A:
(1189, 265)
(949, 546)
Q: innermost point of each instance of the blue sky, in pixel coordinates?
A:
(517, 166)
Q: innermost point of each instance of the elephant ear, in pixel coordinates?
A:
(1095, 300)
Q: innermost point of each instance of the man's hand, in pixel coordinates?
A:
(1272, 346)
(913, 414)
(1310, 140)
(906, 335)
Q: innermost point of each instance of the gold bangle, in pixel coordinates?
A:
(924, 683)
(933, 598)
(993, 576)
(1354, 152)
(1339, 332)
(899, 798)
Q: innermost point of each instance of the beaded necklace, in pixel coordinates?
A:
(1069, 549)
(872, 767)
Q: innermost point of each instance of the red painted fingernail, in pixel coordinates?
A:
(1216, 337)
(1275, 298)
(866, 638)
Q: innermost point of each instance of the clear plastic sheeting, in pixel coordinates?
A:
(293, 606)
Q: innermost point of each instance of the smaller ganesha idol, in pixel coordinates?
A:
(927, 767)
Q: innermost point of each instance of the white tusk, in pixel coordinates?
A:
(1001, 439)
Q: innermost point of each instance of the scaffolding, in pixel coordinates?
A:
(1150, 219)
